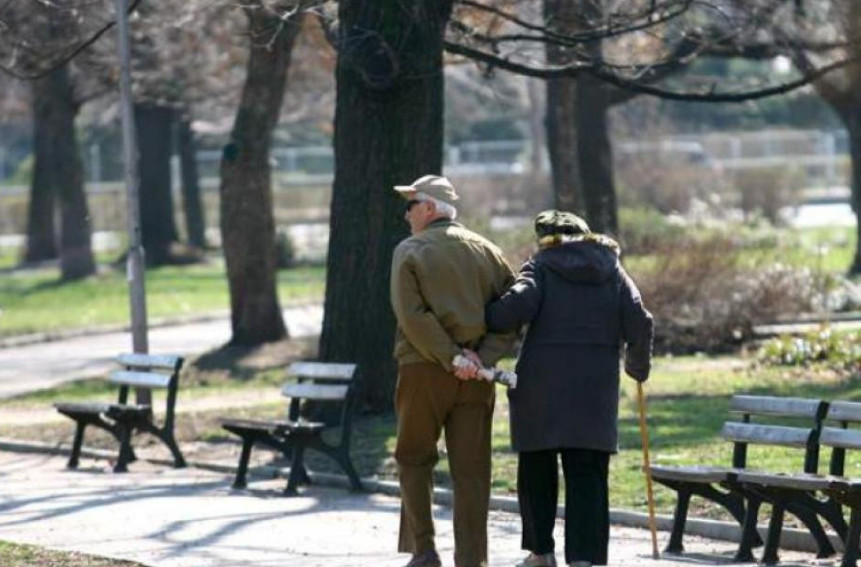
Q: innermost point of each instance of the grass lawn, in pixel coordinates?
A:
(37, 302)
(687, 403)
(15, 555)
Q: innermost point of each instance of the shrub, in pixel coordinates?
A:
(643, 230)
(840, 351)
(704, 299)
(767, 191)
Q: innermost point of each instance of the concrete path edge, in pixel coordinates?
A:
(791, 538)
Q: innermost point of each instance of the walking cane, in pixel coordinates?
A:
(644, 434)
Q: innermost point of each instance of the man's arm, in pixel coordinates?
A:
(418, 323)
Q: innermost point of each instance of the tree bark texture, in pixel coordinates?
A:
(247, 221)
(595, 154)
(41, 221)
(58, 172)
(388, 131)
(158, 228)
(562, 97)
(853, 127)
(192, 204)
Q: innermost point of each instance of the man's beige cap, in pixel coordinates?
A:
(434, 186)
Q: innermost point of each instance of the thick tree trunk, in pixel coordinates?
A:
(562, 101)
(388, 130)
(247, 222)
(192, 204)
(596, 157)
(58, 166)
(158, 228)
(41, 242)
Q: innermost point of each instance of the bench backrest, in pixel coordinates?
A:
(841, 438)
(744, 433)
(147, 371)
(320, 382)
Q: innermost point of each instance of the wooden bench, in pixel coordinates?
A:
(123, 419)
(316, 382)
(720, 483)
(834, 489)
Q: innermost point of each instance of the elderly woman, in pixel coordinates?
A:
(581, 307)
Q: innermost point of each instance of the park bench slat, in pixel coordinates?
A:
(697, 473)
(321, 392)
(140, 379)
(139, 360)
(844, 411)
(775, 406)
(270, 426)
(319, 371)
(767, 434)
(799, 481)
(843, 438)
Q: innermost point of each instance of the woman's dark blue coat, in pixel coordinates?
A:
(581, 308)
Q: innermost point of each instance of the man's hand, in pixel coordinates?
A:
(469, 371)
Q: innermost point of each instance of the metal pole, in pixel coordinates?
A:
(135, 259)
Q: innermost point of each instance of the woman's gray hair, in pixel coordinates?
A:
(443, 208)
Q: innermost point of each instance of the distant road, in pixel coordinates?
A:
(42, 365)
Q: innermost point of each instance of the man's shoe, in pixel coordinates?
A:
(429, 558)
(538, 560)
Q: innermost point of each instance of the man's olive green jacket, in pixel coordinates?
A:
(441, 280)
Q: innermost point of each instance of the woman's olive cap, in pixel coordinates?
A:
(559, 222)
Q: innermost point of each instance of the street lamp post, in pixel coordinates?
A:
(135, 258)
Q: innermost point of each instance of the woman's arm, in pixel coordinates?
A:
(519, 304)
(637, 330)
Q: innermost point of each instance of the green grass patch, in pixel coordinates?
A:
(39, 302)
(17, 555)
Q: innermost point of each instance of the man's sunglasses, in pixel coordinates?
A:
(412, 203)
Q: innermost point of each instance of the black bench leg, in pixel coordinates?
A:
(297, 470)
(125, 436)
(680, 518)
(347, 465)
(749, 535)
(850, 555)
(178, 459)
(772, 541)
(812, 523)
(242, 467)
(76, 445)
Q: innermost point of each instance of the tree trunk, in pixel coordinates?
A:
(853, 128)
(158, 228)
(537, 131)
(41, 230)
(58, 166)
(562, 99)
(596, 157)
(192, 204)
(247, 221)
(388, 130)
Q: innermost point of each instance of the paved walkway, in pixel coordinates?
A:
(191, 518)
(42, 365)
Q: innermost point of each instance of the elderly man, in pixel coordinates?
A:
(442, 276)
